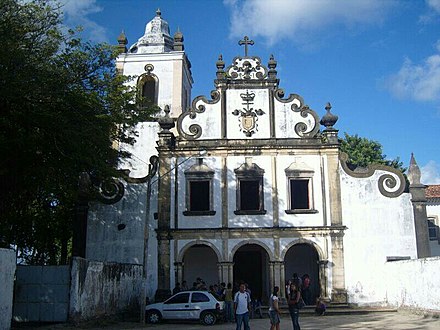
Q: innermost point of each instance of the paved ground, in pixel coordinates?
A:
(380, 321)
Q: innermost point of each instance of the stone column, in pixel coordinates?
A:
(339, 294)
(271, 275)
(163, 266)
(231, 273)
(323, 279)
(224, 268)
(165, 147)
(418, 200)
(277, 276)
(178, 266)
(283, 281)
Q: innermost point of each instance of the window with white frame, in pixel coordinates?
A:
(299, 189)
(250, 192)
(199, 190)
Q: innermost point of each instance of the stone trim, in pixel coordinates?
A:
(301, 211)
(237, 246)
(186, 247)
(243, 233)
(385, 180)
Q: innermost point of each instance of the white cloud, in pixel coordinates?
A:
(77, 12)
(420, 82)
(434, 4)
(430, 173)
(297, 20)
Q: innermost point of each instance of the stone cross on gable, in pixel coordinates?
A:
(246, 41)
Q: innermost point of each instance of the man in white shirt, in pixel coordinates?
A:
(242, 302)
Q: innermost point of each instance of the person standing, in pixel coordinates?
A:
(274, 310)
(294, 297)
(242, 301)
(229, 304)
(305, 290)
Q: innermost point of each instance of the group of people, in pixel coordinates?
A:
(239, 305)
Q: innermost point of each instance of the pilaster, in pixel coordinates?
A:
(339, 293)
(418, 200)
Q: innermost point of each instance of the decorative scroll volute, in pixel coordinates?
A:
(198, 106)
(248, 68)
(391, 184)
(307, 124)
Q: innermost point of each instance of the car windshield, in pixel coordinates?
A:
(180, 298)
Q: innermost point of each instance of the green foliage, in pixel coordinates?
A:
(363, 152)
(63, 106)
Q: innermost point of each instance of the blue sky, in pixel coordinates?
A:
(377, 62)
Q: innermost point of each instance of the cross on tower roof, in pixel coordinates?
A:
(246, 41)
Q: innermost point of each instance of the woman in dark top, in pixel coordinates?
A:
(294, 297)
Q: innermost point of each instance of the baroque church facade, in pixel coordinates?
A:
(248, 185)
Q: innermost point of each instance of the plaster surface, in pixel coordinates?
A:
(7, 273)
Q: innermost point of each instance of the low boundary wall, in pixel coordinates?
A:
(103, 288)
(7, 273)
(413, 284)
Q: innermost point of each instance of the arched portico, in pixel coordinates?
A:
(306, 258)
(252, 265)
(198, 259)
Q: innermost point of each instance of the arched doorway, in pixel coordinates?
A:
(200, 261)
(251, 265)
(304, 259)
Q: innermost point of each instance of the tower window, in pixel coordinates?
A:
(148, 89)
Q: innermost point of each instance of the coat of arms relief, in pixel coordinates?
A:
(248, 116)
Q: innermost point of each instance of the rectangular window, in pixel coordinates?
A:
(199, 196)
(432, 229)
(199, 186)
(250, 197)
(299, 194)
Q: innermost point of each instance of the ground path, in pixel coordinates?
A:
(381, 321)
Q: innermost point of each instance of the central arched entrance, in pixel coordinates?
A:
(251, 265)
(303, 259)
(200, 261)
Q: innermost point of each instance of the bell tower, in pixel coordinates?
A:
(162, 74)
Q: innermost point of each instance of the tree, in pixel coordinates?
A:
(62, 105)
(363, 152)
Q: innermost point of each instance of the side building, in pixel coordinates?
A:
(250, 185)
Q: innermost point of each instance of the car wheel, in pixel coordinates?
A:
(208, 318)
(153, 316)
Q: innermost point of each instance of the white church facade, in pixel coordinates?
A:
(248, 185)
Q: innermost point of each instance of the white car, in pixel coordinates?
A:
(187, 305)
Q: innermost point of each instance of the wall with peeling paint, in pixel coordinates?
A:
(378, 227)
(7, 272)
(413, 284)
(102, 288)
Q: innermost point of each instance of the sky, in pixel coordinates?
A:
(376, 61)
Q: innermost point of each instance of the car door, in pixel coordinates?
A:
(199, 302)
(177, 307)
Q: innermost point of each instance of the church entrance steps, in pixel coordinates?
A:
(332, 309)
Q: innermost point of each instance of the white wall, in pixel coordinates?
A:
(7, 273)
(378, 227)
(413, 283)
(99, 289)
(105, 242)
